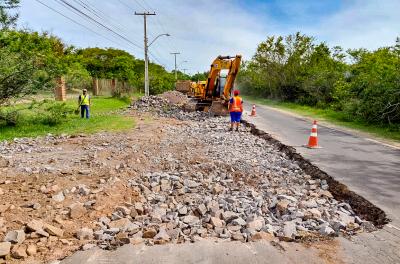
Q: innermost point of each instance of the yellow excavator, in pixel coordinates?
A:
(213, 94)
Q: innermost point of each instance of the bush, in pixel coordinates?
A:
(55, 114)
(9, 117)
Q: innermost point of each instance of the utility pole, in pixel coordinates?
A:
(184, 70)
(176, 73)
(146, 47)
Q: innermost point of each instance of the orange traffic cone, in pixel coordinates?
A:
(313, 139)
(253, 111)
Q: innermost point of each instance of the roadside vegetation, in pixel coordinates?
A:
(358, 88)
(30, 62)
(40, 118)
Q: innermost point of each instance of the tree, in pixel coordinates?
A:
(29, 62)
(6, 19)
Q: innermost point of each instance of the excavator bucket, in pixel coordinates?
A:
(219, 108)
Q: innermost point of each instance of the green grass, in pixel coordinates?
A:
(104, 112)
(331, 116)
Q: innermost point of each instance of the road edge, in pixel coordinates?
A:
(340, 191)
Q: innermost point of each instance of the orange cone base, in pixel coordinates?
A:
(313, 147)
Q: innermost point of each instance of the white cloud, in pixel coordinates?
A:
(362, 24)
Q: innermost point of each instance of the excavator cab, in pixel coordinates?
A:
(213, 95)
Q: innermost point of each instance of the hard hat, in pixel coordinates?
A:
(84, 90)
(236, 92)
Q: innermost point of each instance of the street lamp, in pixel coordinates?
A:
(165, 34)
(146, 63)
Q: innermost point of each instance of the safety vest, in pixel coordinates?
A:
(237, 105)
(84, 99)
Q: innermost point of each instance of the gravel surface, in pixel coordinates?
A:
(179, 177)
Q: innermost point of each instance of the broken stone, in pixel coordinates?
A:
(84, 234)
(123, 225)
(289, 231)
(202, 209)
(149, 233)
(257, 224)
(35, 225)
(77, 210)
(54, 231)
(313, 213)
(183, 210)
(15, 237)
(326, 230)
(5, 248)
(31, 250)
(59, 197)
(228, 216)
(216, 222)
(19, 252)
(88, 246)
(282, 206)
(162, 237)
(238, 222)
(191, 219)
(124, 210)
(262, 236)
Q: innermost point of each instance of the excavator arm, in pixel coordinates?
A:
(230, 78)
(221, 63)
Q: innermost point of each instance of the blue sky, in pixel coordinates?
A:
(204, 29)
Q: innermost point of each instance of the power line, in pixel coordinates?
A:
(100, 14)
(99, 23)
(76, 22)
(159, 25)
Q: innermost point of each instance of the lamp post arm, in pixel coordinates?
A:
(157, 38)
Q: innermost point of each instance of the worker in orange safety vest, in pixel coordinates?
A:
(236, 110)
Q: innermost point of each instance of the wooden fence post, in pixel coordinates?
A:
(95, 86)
(113, 86)
(60, 91)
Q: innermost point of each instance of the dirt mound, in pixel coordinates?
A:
(175, 97)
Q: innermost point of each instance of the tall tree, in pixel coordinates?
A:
(7, 19)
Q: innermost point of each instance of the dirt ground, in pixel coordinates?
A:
(102, 162)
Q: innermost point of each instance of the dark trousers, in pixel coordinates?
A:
(85, 108)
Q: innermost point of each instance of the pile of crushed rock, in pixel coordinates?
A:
(223, 185)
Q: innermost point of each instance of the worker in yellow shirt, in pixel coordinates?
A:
(84, 103)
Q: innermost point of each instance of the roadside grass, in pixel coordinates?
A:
(331, 116)
(104, 117)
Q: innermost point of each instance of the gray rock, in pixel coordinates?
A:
(326, 231)
(289, 230)
(35, 225)
(239, 222)
(183, 210)
(256, 224)
(88, 246)
(191, 219)
(162, 237)
(202, 209)
(59, 197)
(216, 222)
(15, 236)
(84, 234)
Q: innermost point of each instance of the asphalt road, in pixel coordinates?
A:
(367, 167)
